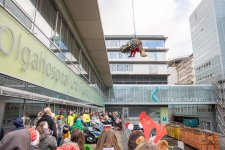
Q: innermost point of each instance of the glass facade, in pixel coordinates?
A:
(146, 43)
(161, 94)
(141, 69)
(43, 20)
(152, 56)
(139, 79)
(207, 32)
(138, 70)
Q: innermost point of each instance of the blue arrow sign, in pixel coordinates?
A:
(153, 94)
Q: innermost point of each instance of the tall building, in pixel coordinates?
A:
(181, 70)
(49, 56)
(138, 70)
(207, 32)
(140, 84)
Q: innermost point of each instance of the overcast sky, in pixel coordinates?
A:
(152, 17)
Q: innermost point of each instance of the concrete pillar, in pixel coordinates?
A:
(2, 112)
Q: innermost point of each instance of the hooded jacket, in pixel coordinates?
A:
(50, 122)
(18, 139)
(47, 142)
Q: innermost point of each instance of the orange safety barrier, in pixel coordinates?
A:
(197, 138)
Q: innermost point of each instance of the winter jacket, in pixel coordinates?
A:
(18, 139)
(60, 128)
(70, 120)
(47, 142)
(86, 118)
(51, 123)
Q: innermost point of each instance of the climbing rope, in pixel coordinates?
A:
(133, 18)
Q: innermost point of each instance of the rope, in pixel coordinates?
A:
(133, 18)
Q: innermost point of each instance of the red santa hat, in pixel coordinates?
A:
(34, 134)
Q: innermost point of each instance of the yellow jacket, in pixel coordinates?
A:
(70, 120)
(86, 118)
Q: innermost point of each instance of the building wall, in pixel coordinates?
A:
(161, 94)
(185, 71)
(205, 114)
(207, 33)
(172, 78)
(137, 68)
(39, 41)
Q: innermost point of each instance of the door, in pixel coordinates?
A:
(125, 112)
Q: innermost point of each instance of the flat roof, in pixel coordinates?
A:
(86, 17)
(147, 37)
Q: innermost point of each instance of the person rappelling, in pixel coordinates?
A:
(134, 45)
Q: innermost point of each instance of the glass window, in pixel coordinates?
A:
(11, 6)
(152, 56)
(28, 6)
(46, 17)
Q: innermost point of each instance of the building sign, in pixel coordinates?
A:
(24, 57)
(153, 94)
(164, 115)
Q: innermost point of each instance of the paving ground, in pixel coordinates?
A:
(172, 142)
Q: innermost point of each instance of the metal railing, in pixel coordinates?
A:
(219, 91)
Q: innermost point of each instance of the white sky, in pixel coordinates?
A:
(152, 17)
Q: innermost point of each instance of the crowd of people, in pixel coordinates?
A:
(59, 132)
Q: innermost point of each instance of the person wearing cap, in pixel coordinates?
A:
(18, 123)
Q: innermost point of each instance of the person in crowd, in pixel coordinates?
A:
(70, 119)
(59, 123)
(1, 133)
(77, 138)
(18, 123)
(26, 120)
(78, 125)
(60, 114)
(47, 141)
(107, 141)
(147, 145)
(39, 115)
(86, 118)
(35, 139)
(112, 119)
(16, 140)
(135, 138)
(66, 133)
(75, 114)
(48, 118)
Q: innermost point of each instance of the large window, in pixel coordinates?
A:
(146, 43)
(152, 56)
(121, 67)
(153, 43)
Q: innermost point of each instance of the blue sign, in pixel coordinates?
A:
(153, 94)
